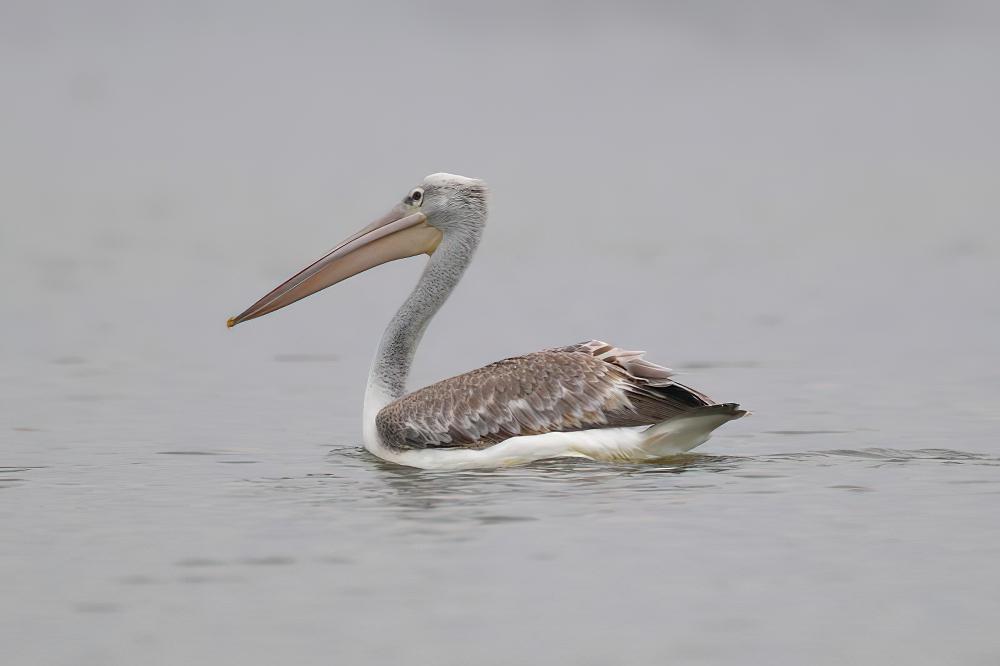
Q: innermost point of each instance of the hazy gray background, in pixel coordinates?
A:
(794, 203)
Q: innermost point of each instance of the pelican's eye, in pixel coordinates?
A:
(416, 196)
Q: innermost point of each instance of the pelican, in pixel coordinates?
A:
(588, 400)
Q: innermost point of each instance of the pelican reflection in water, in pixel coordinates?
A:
(590, 400)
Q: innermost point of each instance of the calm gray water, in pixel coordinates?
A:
(795, 205)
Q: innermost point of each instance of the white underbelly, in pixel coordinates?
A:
(668, 438)
(516, 450)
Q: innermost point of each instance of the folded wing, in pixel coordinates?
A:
(579, 387)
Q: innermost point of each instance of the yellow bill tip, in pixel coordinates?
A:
(231, 322)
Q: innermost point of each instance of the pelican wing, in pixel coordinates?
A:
(580, 387)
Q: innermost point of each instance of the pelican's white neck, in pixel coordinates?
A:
(391, 366)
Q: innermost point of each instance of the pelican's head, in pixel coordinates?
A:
(442, 205)
(450, 202)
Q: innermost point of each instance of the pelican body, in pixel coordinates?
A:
(590, 400)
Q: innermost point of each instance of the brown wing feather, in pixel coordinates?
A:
(583, 386)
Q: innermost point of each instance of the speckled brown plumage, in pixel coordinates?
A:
(580, 387)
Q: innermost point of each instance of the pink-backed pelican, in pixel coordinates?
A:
(590, 400)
